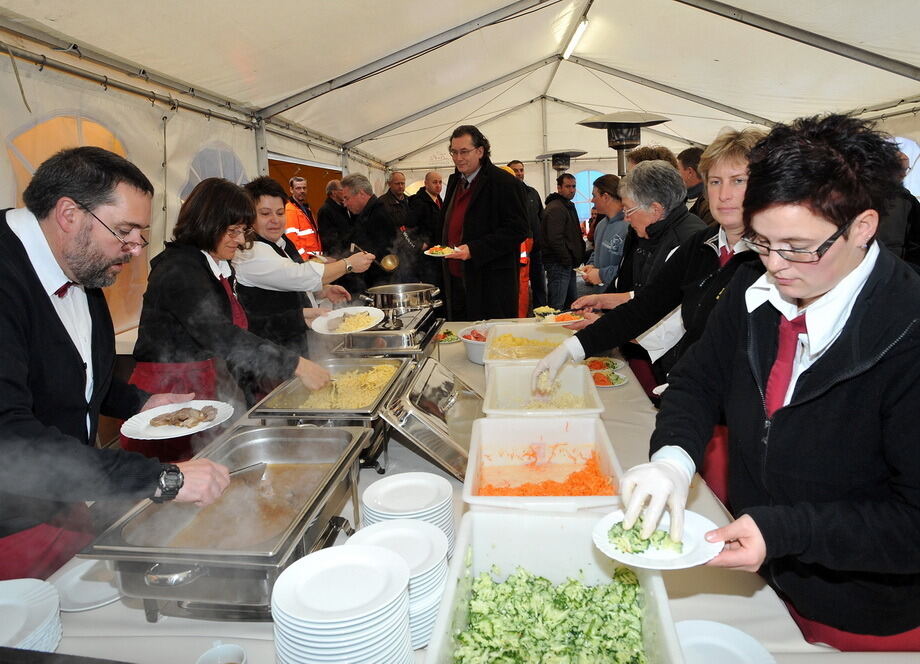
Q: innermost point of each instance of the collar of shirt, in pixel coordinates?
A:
(723, 242)
(219, 268)
(828, 314)
(472, 176)
(26, 227)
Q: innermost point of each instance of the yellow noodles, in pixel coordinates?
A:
(508, 346)
(353, 390)
(358, 321)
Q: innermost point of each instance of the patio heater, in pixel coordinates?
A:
(561, 159)
(623, 130)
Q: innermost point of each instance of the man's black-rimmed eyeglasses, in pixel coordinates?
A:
(121, 236)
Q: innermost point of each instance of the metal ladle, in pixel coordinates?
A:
(388, 263)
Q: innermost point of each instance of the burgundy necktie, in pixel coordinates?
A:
(236, 309)
(62, 291)
(781, 372)
(725, 255)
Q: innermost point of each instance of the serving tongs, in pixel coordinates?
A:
(258, 465)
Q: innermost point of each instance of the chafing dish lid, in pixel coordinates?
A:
(435, 415)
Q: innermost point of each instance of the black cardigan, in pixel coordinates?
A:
(186, 318)
(691, 279)
(48, 458)
(832, 479)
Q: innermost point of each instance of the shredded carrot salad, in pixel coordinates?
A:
(588, 481)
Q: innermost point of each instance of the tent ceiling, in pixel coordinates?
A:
(256, 58)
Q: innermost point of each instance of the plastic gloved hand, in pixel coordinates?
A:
(661, 483)
(551, 365)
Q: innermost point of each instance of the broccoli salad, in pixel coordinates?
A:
(528, 619)
(629, 541)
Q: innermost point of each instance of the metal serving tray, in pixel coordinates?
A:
(412, 337)
(434, 416)
(281, 402)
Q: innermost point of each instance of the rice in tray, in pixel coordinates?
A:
(555, 401)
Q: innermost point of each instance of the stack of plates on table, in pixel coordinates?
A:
(343, 604)
(424, 548)
(422, 496)
(30, 616)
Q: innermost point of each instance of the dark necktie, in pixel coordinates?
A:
(781, 372)
(62, 291)
(236, 309)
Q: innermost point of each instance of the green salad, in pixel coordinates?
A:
(528, 619)
(628, 541)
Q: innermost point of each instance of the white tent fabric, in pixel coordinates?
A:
(372, 96)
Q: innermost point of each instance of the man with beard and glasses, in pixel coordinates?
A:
(86, 210)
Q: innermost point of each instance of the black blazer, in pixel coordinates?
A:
(493, 229)
(48, 460)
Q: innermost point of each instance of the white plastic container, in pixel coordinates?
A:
(533, 331)
(504, 440)
(550, 545)
(509, 390)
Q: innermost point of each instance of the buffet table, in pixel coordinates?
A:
(120, 631)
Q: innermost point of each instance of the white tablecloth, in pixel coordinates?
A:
(120, 631)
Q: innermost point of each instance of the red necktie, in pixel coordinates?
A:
(236, 309)
(725, 255)
(781, 373)
(62, 291)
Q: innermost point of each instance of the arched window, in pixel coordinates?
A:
(583, 185)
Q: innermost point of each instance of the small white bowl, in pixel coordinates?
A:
(474, 349)
(223, 653)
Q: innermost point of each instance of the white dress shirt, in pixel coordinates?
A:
(261, 267)
(72, 308)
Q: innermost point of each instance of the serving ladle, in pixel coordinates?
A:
(388, 263)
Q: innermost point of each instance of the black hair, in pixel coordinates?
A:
(213, 206)
(608, 184)
(264, 186)
(690, 158)
(835, 165)
(88, 175)
(479, 140)
(515, 161)
(563, 177)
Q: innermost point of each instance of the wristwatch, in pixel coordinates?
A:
(348, 267)
(169, 483)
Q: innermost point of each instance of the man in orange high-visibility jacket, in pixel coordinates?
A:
(300, 224)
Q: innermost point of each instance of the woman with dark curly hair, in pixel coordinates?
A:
(191, 316)
(813, 354)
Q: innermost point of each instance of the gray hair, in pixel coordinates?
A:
(357, 183)
(333, 185)
(654, 181)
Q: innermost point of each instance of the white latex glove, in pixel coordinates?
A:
(551, 364)
(661, 483)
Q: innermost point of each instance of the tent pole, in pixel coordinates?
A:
(546, 184)
(261, 148)
(393, 59)
(806, 37)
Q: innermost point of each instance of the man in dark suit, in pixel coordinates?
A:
(374, 228)
(335, 222)
(485, 220)
(85, 212)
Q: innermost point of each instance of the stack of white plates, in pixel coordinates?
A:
(343, 604)
(424, 548)
(30, 616)
(422, 496)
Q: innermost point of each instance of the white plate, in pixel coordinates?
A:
(321, 323)
(341, 583)
(407, 493)
(704, 641)
(344, 630)
(696, 549)
(26, 607)
(86, 586)
(622, 379)
(139, 426)
(551, 320)
(422, 545)
(612, 362)
(427, 252)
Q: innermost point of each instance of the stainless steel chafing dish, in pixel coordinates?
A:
(434, 416)
(403, 297)
(284, 404)
(410, 333)
(200, 562)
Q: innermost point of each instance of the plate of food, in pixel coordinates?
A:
(657, 552)
(447, 337)
(348, 319)
(608, 378)
(176, 419)
(440, 251)
(604, 363)
(550, 316)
